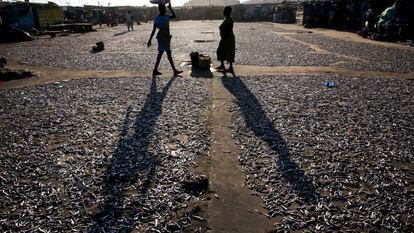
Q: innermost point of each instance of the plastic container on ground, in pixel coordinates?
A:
(330, 84)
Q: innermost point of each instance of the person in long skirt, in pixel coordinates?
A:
(227, 47)
(162, 22)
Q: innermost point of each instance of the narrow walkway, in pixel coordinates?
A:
(50, 74)
(232, 207)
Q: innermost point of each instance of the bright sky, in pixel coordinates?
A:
(106, 2)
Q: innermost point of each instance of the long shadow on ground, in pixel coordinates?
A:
(120, 33)
(256, 119)
(131, 164)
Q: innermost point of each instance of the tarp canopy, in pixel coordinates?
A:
(17, 15)
(390, 14)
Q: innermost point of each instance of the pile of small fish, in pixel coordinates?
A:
(328, 159)
(363, 56)
(256, 44)
(100, 155)
(263, 46)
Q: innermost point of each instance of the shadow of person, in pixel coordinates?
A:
(257, 121)
(120, 33)
(225, 74)
(131, 164)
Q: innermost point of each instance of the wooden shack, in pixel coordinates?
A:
(47, 14)
(31, 15)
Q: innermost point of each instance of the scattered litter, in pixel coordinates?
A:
(330, 84)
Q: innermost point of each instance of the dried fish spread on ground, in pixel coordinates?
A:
(328, 159)
(100, 154)
(363, 56)
(257, 44)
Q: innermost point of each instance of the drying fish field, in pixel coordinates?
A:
(328, 160)
(313, 133)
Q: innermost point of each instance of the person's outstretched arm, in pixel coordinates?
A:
(173, 16)
(152, 35)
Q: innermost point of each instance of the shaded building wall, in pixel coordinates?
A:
(241, 12)
(31, 15)
(20, 13)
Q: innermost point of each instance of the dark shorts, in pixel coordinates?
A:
(164, 44)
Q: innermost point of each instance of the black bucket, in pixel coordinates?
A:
(194, 59)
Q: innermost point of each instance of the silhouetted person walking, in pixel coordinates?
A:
(227, 47)
(162, 22)
(130, 21)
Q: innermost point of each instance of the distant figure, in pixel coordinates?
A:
(162, 22)
(130, 21)
(331, 19)
(227, 47)
(109, 19)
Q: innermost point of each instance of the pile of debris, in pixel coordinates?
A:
(17, 35)
(8, 74)
(380, 20)
(394, 23)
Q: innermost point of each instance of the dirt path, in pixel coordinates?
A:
(233, 208)
(50, 74)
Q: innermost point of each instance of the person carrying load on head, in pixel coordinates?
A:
(162, 23)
